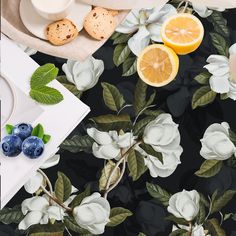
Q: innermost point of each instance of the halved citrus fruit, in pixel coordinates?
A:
(157, 65)
(182, 32)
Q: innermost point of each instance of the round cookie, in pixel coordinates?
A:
(61, 32)
(100, 23)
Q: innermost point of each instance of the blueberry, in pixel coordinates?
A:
(33, 147)
(22, 130)
(11, 145)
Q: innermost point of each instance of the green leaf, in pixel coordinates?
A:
(202, 97)
(201, 214)
(106, 172)
(219, 23)
(71, 224)
(78, 199)
(224, 96)
(220, 44)
(38, 131)
(232, 136)
(141, 234)
(136, 164)
(46, 95)
(154, 113)
(214, 228)
(121, 53)
(204, 200)
(222, 201)
(118, 215)
(43, 75)
(140, 96)
(178, 232)
(105, 119)
(140, 125)
(231, 162)
(209, 168)
(203, 78)
(46, 138)
(56, 229)
(121, 38)
(129, 66)
(11, 215)
(180, 221)
(151, 99)
(150, 151)
(158, 193)
(112, 97)
(115, 35)
(78, 143)
(63, 187)
(9, 128)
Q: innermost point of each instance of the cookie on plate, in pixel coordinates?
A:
(100, 23)
(61, 32)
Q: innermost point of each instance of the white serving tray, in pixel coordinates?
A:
(58, 120)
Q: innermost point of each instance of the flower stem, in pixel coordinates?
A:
(55, 199)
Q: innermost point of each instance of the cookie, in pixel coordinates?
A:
(113, 12)
(61, 32)
(100, 23)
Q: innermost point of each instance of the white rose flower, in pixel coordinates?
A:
(93, 213)
(184, 204)
(216, 143)
(84, 74)
(223, 79)
(197, 230)
(108, 145)
(37, 210)
(146, 24)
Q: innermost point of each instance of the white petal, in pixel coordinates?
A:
(219, 84)
(125, 140)
(31, 218)
(201, 10)
(34, 183)
(55, 212)
(67, 68)
(50, 162)
(155, 32)
(100, 137)
(232, 49)
(139, 41)
(98, 67)
(107, 152)
(85, 80)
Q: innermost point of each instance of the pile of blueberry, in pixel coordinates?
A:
(22, 139)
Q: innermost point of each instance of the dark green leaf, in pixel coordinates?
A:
(11, 215)
(115, 35)
(105, 119)
(46, 95)
(136, 164)
(232, 136)
(121, 53)
(214, 228)
(204, 200)
(219, 23)
(43, 75)
(141, 234)
(38, 131)
(209, 168)
(158, 193)
(9, 128)
(121, 38)
(201, 214)
(78, 143)
(140, 126)
(140, 96)
(202, 97)
(220, 44)
(178, 232)
(55, 229)
(222, 201)
(150, 151)
(46, 138)
(129, 66)
(71, 224)
(151, 99)
(180, 221)
(231, 162)
(112, 97)
(224, 96)
(63, 187)
(203, 78)
(118, 215)
(155, 113)
(78, 199)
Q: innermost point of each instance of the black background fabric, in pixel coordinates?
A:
(148, 214)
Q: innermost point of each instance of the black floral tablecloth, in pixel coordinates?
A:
(148, 213)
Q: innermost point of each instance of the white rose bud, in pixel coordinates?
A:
(184, 204)
(93, 213)
(216, 143)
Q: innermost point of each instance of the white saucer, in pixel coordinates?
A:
(8, 100)
(37, 24)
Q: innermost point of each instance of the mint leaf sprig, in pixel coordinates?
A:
(39, 91)
(38, 131)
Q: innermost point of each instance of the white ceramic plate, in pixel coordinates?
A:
(8, 100)
(37, 24)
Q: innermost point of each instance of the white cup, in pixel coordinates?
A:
(53, 9)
